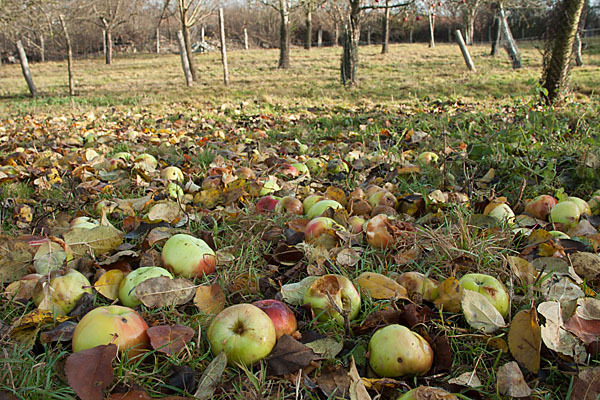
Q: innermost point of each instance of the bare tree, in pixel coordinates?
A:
(109, 15)
(284, 8)
(310, 6)
(190, 12)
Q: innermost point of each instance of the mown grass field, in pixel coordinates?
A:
(492, 137)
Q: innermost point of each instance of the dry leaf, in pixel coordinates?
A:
(169, 339)
(99, 240)
(510, 381)
(163, 291)
(167, 211)
(587, 385)
(327, 348)
(293, 293)
(289, 356)
(210, 299)
(525, 339)
(108, 284)
(358, 391)
(211, 377)
(469, 379)
(90, 371)
(523, 269)
(480, 313)
(380, 287)
(555, 337)
(50, 256)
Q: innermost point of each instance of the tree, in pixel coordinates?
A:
(109, 15)
(190, 12)
(559, 48)
(309, 6)
(284, 8)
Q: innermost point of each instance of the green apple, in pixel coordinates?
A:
(129, 283)
(501, 212)
(315, 165)
(301, 168)
(490, 287)
(566, 213)
(584, 207)
(172, 174)
(322, 207)
(321, 231)
(311, 201)
(343, 293)
(244, 332)
(188, 256)
(396, 351)
(428, 157)
(118, 325)
(336, 166)
(289, 205)
(59, 291)
(145, 162)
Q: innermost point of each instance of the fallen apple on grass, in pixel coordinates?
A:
(396, 351)
(540, 206)
(284, 319)
(416, 282)
(172, 173)
(289, 205)
(490, 287)
(244, 332)
(566, 213)
(59, 291)
(118, 325)
(266, 204)
(343, 293)
(188, 256)
(323, 208)
(321, 231)
(133, 279)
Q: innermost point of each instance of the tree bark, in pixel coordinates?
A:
(351, 38)
(308, 42)
(223, 47)
(470, 31)
(202, 34)
(245, 39)
(284, 35)
(42, 49)
(496, 35)
(157, 40)
(368, 35)
(386, 28)
(577, 50)
(336, 34)
(431, 19)
(510, 45)
(185, 63)
(465, 51)
(320, 37)
(69, 55)
(25, 69)
(109, 47)
(188, 50)
(556, 70)
(104, 51)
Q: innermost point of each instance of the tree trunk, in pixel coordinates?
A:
(351, 38)
(25, 69)
(410, 34)
(510, 45)
(245, 39)
(202, 34)
(188, 50)
(556, 70)
(336, 34)
(69, 55)
(157, 40)
(320, 37)
(185, 63)
(496, 35)
(104, 50)
(109, 47)
(470, 31)
(368, 36)
(284, 35)
(465, 51)
(577, 50)
(308, 43)
(431, 29)
(42, 49)
(386, 28)
(223, 48)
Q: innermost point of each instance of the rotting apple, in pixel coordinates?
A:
(284, 319)
(244, 332)
(188, 256)
(382, 198)
(488, 286)
(321, 231)
(118, 325)
(59, 291)
(396, 351)
(358, 206)
(311, 201)
(266, 204)
(343, 293)
(133, 279)
(289, 205)
(323, 208)
(336, 166)
(356, 223)
(172, 173)
(540, 206)
(301, 168)
(566, 213)
(376, 232)
(315, 165)
(84, 222)
(416, 282)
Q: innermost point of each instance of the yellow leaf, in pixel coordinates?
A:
(36, 318)
(449, 295)
(108, 284)
(525, 339)
(523, 269)
(380, 287)
(210, 299)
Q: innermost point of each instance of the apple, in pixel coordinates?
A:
(540, 206)
(315, 165)
(283, 318)
(356, 223)
(488, 286)
(288, 170)
(129, 283)
(377, 233)
(321, 231)
(172, 174)
(188, 256)
(145, 162)
(358, 206)
(244, 332)
(416, 282)
(396, 351)
(118, 325)
(84, 222)
(594, 204)
(382, 198)
(336, 166)
(584, 207)
(301, 168)
(500, 212)
(323, 207)
(266, 204)
(371, 189)
(59, 291)
(427, 157)
(289, 205)
(341, 290)
(311, 201)
(175, 191)
(566, 213)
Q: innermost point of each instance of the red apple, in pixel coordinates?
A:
(343, 293)
(266, 204)
(321, 231)
(119, 325)
(376, 231)
(289, 205)
(283, 318)
(540, 206)
(188, 256)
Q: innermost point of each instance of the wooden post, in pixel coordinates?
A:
(223, 48)
(320, 37)
(510, 45)
(577, 50)
(184, 60)
(245, 39)
(157, 40)
(42, 48)
(202, 34)
(25, 69)
(464, 50)
(104, 42)
(69, 55)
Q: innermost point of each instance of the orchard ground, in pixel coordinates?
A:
(502, 144)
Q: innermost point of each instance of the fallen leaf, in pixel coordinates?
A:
(525, 339)
(90, 371)
(108, 284)
(21, 290)
(449, 295)
(183, 377)
(555, 337)
(163, 291)
(210, 299)
(510, 381)
(587, 385)
(99, 240)
(169, 339)
(523, 269)
(334, 381)
(347, 257)
(380, 287)
(327, 348)
(167, 211)
(133, 395)
(427, 393)
(62, 333)
(358, 391)
(211, 377)
(15, 258)
(586, 265)
(293, 293)
(289, 356)
(469, 379)
(49, 257)
(480, 313)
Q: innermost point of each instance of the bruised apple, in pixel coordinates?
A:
(172, 173)
(342, 291)
(266, 204)
(321, 231)
(244, 332)
(490, 287)
(59, 291)
(289, 205)
(188, 256)
(283, 318)
(396, 351)
(540, 206)
(118, 325)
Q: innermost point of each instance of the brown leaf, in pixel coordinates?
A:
(210, 299)
(287, 255)
(15, 258)
(99, 240)
(288, 356)
(378, 319)
(169, 339)
(358, 391)
(90, 371)
(380, 287)
(334, 379)
(586, 330)
(450, 295)
(442, 360)
(62, 333)
(211, 377)
(511, 382)
(587, 385)
(523, 269)
(414, 314)
(163, 291)
(525, 339)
